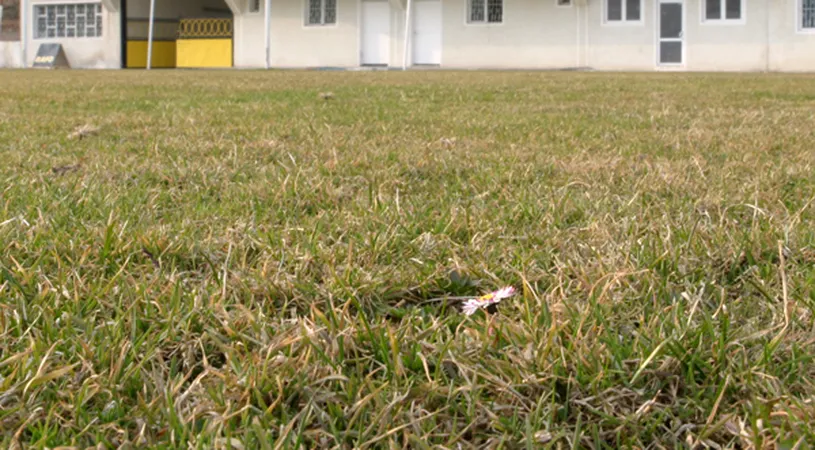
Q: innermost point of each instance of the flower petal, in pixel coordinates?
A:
(471, 306)
(503, 293)
(474, 304)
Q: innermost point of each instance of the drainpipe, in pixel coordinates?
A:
(150, 35)
(407, 34)
(267, 23)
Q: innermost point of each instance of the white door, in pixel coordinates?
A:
(427, 32)
(376, 30)
(671, 33)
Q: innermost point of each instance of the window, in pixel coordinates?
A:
(563, 2)
(721, 10)
(620, 11)
(486, 11)
(254, 6)
(807, 18)
(76, 20)
(321, 12)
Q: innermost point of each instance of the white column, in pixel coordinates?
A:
(267, 23)
(23, 30)
(577, 9)
(768, 59)
(407, 34)
(150, 34)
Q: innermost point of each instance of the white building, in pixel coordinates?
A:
(696, 35)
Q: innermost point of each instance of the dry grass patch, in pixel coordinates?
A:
(230, 260)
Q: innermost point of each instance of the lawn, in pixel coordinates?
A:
(276, 260)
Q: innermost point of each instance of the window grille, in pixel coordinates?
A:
(808, 14)
(623, 11)
(486, 11)
(321, 12)
(75, 20)
(723, 10)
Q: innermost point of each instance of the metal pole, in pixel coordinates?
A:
(150, 34)
(268, 35)
(407, 34)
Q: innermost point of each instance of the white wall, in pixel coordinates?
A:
(790, 49)
(533, 34)
(626, 46)
(726, 47)
(249, 48)
(397, 32)
(297, 45)
(739, 46)
(294, 45)
(766, 39)
(83, 53)
(11, 54)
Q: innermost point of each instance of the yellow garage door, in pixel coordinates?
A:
(204, 43)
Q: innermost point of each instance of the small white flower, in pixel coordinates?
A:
(471, 306)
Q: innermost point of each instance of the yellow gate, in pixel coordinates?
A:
(164, 36)
(204, 43)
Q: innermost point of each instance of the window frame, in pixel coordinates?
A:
(99, 29)
(249, 9)
(799, 19)
(485, 22)
(623, 22)
(723, 20)
(307, 5)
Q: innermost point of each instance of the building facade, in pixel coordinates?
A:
(693, 35)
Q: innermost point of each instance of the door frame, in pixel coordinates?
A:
(361, 33)
(657, 39)
(123, 32)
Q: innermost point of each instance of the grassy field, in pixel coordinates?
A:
(238, 260)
